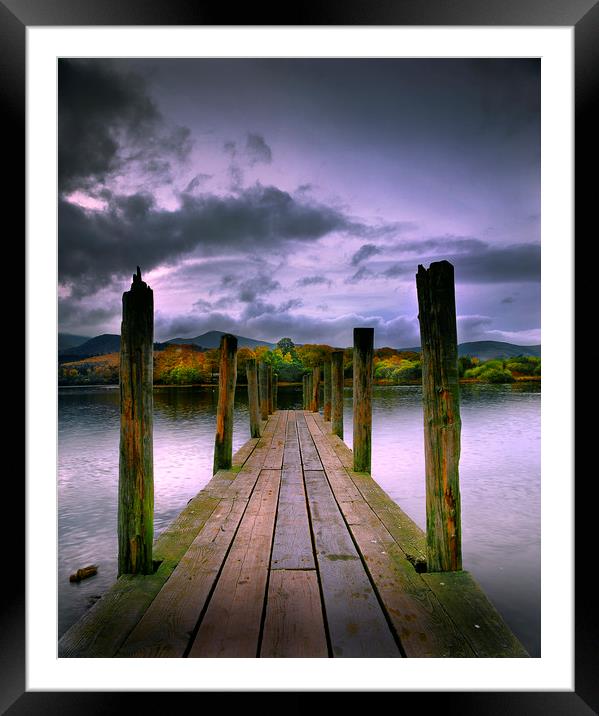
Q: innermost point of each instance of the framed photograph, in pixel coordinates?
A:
(332, 153)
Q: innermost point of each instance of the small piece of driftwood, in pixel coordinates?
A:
(84, 573)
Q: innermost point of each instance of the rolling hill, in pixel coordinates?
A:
(488, 350)
(211, 339)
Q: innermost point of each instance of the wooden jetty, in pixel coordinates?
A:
(293, 550)
(291, 553)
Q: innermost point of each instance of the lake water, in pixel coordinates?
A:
(500, 481)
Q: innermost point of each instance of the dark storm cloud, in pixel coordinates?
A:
(255, 286)
(257, 150)
(362, 274)
(313, 281)
(364, 252)
(197, 181)
(106, 120)
(484, 264)
(507, 299)
(94, 246)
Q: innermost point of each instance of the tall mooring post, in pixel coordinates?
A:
(304, 391)
(337, 393)
(363, 366)
(269, 388)
(263, 389)
(309, 382)
(442, 423)
(136, 459)
(227, 379)
(315, 387)
(275, 392)
(326, 400)
(253, 400)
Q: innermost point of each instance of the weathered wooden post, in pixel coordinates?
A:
(363, 354)
(227, 378)
(326, 401)
(136, 459)
(442, 423)
(309, 382)
(263, 389)
(275, 392)
(304, 391)
(253, 401)
(269, 388)
(337, 393)
(315, 389)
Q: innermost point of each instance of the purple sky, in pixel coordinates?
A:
(296, 198)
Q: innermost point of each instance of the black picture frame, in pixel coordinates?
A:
(583, 15)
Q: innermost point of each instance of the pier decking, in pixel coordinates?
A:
(291, 553)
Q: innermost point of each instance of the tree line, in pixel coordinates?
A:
(190, 365)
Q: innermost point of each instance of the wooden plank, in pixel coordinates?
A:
(231, 625)
(422, 625)
(244, 452)
(476, 618)
(343, 487)
(356, 623)
(274, 459)
(166, 627)
(403, 529)
(292, 546)
(420, 621)
(294, 624)
(309, 453)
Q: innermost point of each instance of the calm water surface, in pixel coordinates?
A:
(500, 481)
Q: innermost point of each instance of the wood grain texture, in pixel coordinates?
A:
(169, 622)
(362, 399)
(356, 623)
(231, 625)
(326, 399)
(135, 514)
(263, 389)
(337, 393)
(294, 623)
(479, 622)
(315, 388)
(253, 397)
(227, 380)
(442, 423)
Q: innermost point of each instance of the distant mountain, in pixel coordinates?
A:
(98, 346)
(68, 340)
(488, 350)
(212, 340)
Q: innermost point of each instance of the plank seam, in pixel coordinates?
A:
(208, 599)
(362, 559)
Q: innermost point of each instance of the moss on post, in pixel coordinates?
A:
(442, 423)
(253, 400)
(362, 399)
(337, 393)
(227, 378)
(275, 392)
(136, 468)
(315, 388)
(326, 401)
(263, 389)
